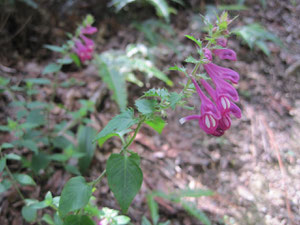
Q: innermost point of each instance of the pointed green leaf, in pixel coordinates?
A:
(51, 68)
(157, 123)
(24, 179)
(119, 123)
(54, 48)
(29, 213)
(86, 146)
(146, 106)
(125, 178)
(78, 220)
(75, 195)
(114, 79)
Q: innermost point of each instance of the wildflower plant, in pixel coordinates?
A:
(218, 97)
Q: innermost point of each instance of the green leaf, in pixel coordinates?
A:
(29, 213)
(125, 178)
(65, 61)
(39, 161)
(197, 213)
(160, 92)
(153, 209)
(2, 163)
(75, 59)
(119, 123)
(120, 220)
(24, 179)
(38, 81)
(75, 195)
(48, 219)
(7, 145)
(198, 42)
(5, 185)
(13, 156)
(146, 106)
(51, 68)
(37, 104)
(175, 98)
(191, 59)
(145, 221)
(31, 145)
(72, 169)
(157, 123)
(54, 48)
(150, 70)
(86, 146)
(49, 198)
(114, 79)
(162, 8)
(119, 4)
(78, 220)
(36, 117)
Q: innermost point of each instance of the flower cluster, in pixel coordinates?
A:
(215, 112)
(84, 46)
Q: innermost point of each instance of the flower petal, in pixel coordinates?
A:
(225, 54)
(222, 42)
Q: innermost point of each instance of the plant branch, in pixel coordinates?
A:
(135, 133)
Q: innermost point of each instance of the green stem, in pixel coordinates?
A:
(15, 182)
(95, 182)
(135, 133)
(189, 80)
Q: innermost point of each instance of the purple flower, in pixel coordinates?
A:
(222, 72)
(225, 122)
(222, 86)
(207, 54)
(88, 30)
(88, 43)
(222, 42)
(82, 51)
(84, 47)
(225, 53)
(222, 100)
(208, 120)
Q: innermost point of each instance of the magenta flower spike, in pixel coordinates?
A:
(222, 72)
(88, 30)
(208, 120)
(88, 43)
(82, 51)
(222, 86)
(225, 53)
(223, 102)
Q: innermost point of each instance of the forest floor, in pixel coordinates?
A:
(254, 169)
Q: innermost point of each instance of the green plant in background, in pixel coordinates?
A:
(161, 6)
(116, 67)
(255, 35)
(158, 33)
(177, 197)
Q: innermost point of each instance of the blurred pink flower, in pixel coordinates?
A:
(225, 54)
(88, 30)
(84, 47)
(222, 42)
